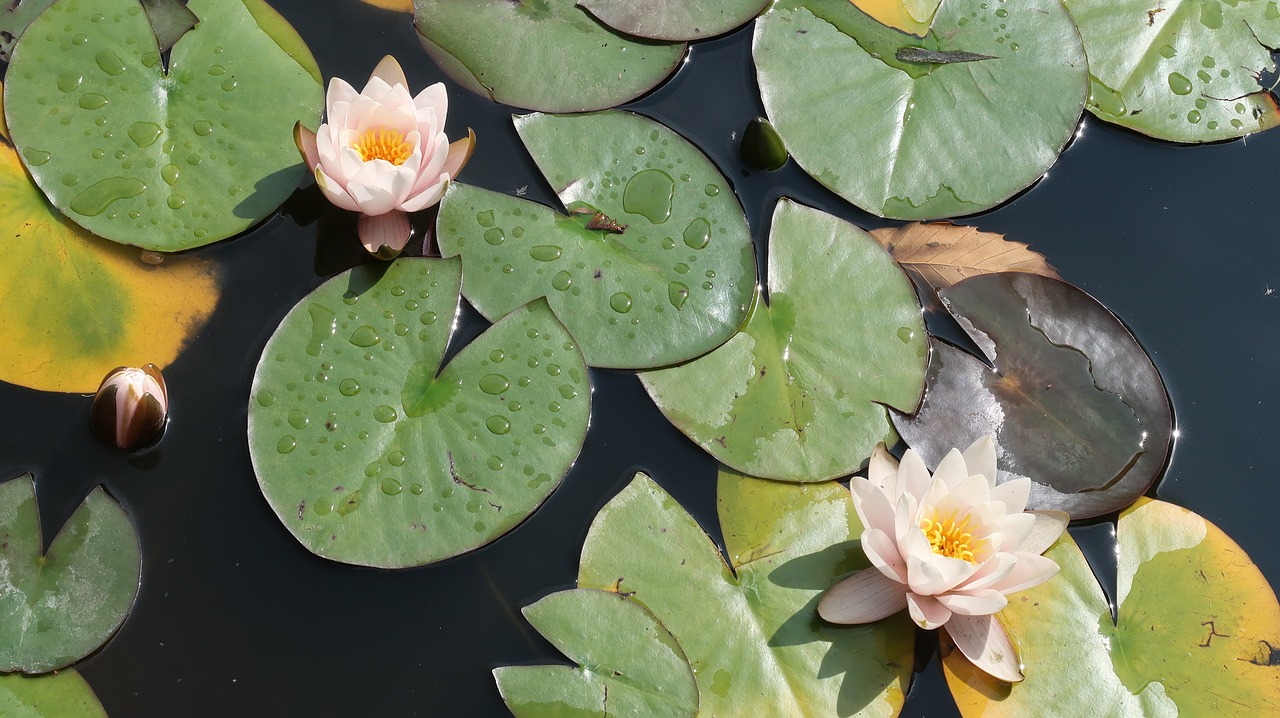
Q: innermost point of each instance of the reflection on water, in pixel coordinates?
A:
(235, 616)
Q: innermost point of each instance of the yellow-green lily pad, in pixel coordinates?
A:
(64, 694)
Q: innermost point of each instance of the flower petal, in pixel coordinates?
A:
(1014, 530)
(339, 91)
(980, 458)
(872, 505)
(926, 611)
(334, 191)
(305, 139)
(929, 574)
(1013, 493)
(426, 198)
(864, 597)
(390, 72)
(376, 198)
(951, 469)
(913, 475)
(1030, 570)
(982, 602)
(992, 570)
(460, 154)
(1047, 529)
(882, 469)
(385, 234)
(434, 97)
(883, 553)
(983, 640)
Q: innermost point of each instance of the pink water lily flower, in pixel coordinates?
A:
(948, 547)
(383, 153)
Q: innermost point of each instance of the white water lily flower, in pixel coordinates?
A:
(948, 547)
(383, 153)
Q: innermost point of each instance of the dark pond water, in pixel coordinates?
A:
(236, 618)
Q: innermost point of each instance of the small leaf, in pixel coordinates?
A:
(77, 306)
(162, 159)
(1195, 630)
(516, 53)
(920, 141)
(60, 605)
(799, 393)
(54, 695)
(1073, 401)
(170, 20)
(1187, 71)
(749, 626)
(644, 675)
(674, 20)
(654, 264)
(371, 453)
(941, 253)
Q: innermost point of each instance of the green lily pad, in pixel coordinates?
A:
(797, 395)
(548, 55)
(1073, 401)
(645, 675)
(676, 282)
(76, 305)
(60, 605)
(162, 159)
(913, 128)
(14, 18)
(674, 20)
(372, 454)
(1186, 71)
(56, 695)
(749, 626)
(1195, 632)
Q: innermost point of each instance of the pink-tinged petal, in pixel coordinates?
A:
(381, 197)
(934, 495)
(983, 640)
(864, 597)
(335, 191)
(459, 154)
(1014, 530)
(926, 611)
(913, 475)
(882, 469)
(971, 491)
(906, 520)
(377, 89)
(982, 602)
(350, 165)
(929, 574)
(872, 505)
(992, 570)
(338, 113)
(339, 91)
(436, 98)
(1047, 529)
(980, 458)
(1030, 570)
(1014, 494)
(389, 71)
(426, 198)
(327, 147)
(430, 172)
(951, 469)
(305, 139)
(883, 553)
(386, 234)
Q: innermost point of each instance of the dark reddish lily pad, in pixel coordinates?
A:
(1073, 401)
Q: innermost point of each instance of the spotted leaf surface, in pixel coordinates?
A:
(798, 394)
(674, 20)
(60, 605)
(654, 264)
(923, 139)
(162, 159)
(1194, 634)
(77, 306)
(56, 695)
(372, 454)
(548, 55)
(749, 625)
(644, 674)
(1187, 71)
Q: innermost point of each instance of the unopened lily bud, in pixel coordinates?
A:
(131, 407)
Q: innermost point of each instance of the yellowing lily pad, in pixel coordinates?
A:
(165, 159)
(1195, 634)
(372, 453)
(911, 16)
(62, 604)
(76, 306)
(53, 695)
(798, 394)
(921, 128)
(748, 625)
(1186, 70)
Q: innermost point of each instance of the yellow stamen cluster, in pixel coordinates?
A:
(948, 537)
(383, 143)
